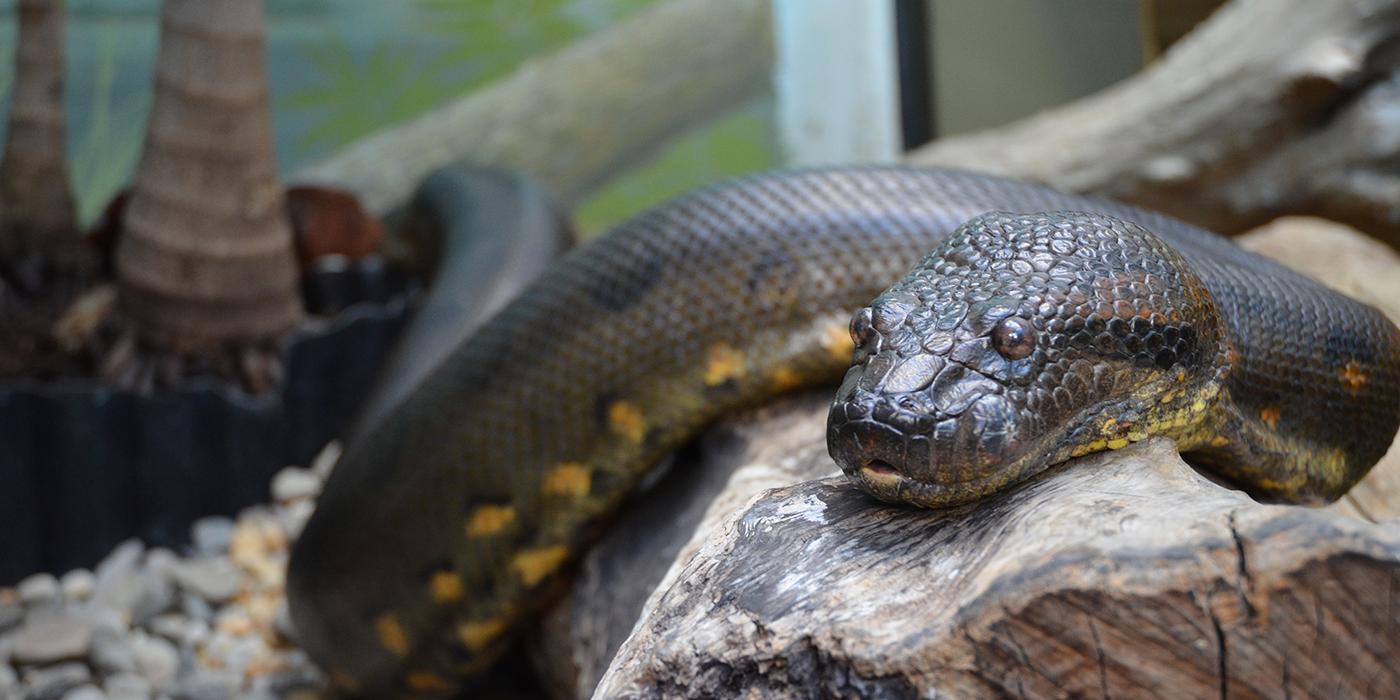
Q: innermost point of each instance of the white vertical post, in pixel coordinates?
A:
(836, 81)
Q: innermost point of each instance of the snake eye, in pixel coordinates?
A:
(1014, 338)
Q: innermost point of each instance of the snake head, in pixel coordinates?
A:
(1020, 341)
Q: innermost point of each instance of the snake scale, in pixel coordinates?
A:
(1022, 340)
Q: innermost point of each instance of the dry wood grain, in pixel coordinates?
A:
(1269, 107)
(1120, 574)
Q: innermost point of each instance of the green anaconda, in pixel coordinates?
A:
(1021, 340)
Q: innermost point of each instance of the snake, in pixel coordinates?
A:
(476, 235)
(1036, 326)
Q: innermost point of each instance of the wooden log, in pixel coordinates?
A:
(1269, 107)
(1124, 573)
(576, 117)
(780, 445)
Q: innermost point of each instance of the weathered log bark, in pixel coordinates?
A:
(36, 202)
(206, 257)
(576, 117)
(1270, 107)
(781, 445)
(1121, 574)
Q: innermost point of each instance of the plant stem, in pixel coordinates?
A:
(207, 257)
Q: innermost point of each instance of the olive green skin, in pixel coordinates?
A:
(439, 533)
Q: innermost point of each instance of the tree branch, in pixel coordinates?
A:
(1270, 107)
(576, 117)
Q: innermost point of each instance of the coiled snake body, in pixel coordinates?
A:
(1019, 342)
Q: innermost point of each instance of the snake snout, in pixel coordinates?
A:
(926, 445)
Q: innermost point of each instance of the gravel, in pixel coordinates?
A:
(147, 623)
(211, 535)
(214, 579)
(51, 636)
(77, 585)
(39, 591)
(294, 483)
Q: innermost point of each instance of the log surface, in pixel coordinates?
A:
(1121, 574)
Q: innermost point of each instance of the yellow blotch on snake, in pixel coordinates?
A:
(340, 680)
(391, 634)
(427, 682)
(569, 479)
(446, 586)
(533, 565)
(626, 420)
(476, 635)
(1270, 416)
(1090, 447)
(486, 521)
(1352, 376)
(722, 363)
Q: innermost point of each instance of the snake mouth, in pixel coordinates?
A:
(969, 457)
(880, 468)
(888, 482)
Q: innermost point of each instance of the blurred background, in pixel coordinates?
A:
(341, 69)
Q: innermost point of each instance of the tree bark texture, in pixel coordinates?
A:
(575, 118)
(207, 254)
(652, 548)
(36, 202)
(1270, 107)
(1122, 574)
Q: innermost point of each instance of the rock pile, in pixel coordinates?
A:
(207, 623)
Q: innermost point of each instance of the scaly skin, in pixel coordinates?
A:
(442, 531)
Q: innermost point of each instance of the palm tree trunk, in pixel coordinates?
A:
(207, 258)
(36, 204)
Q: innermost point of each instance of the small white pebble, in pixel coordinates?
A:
(326, 459)
(161, 561)
(111, 651)
(38, 590)
(85, 692)
(214, 579)
(78, 585)
(169, 625)
(282, 622)
(211, 535)
(156, 659)
(294, 516)
(127, 686)
(295, 483)
(49, 679)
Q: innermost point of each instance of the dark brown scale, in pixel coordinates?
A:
(725, 297)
